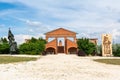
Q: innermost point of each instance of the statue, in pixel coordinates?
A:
(106, 45)
(12, 43)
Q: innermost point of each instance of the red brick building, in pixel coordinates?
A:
(55, 46)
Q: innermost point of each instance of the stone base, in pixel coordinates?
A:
(107, 55)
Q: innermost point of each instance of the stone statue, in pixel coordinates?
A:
(106, 45)
(12, 43)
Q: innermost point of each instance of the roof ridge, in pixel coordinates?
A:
(61, 28)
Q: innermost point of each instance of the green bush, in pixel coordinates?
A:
(4, 46)
(116, 49)
(99, 50)
(85, 45)
(33, 47)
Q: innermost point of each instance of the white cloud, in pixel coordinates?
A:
(29, 22)
(33, 23)
(82, 16)
(20, 38)
(31, 30)
(84, 35)
(115, 34)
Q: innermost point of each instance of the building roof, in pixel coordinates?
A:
(60, 31)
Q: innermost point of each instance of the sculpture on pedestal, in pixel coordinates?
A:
(106, 45)
(12, 43)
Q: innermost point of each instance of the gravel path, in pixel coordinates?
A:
(60, 67)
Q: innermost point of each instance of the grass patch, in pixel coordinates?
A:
(109, 61)
(12, 59)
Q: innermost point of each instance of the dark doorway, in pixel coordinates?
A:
(72, 50)
(50, 50)
(60, 49)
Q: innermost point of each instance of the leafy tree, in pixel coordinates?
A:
(116, 49)
(35, 46)
(4, 46)
(85, 45)
(3, 40)
(33, 40)
(99, 50)
(43, 40)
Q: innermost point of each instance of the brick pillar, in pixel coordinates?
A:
(56, 44)
(55, 51)
(65, 46)
(46, 38)
(75, 39)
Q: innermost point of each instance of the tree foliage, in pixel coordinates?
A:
(116, 49)
(85, 45)
(4, 46)
(99, 50)
(34, 46)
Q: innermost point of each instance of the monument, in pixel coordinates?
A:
(67, 46)
(106, 45)
(55, 46)
(12, 43)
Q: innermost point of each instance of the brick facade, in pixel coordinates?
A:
(58, 33)
(69, 46)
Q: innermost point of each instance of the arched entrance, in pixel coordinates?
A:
(50, 50)
(72, 50)
(62, 45)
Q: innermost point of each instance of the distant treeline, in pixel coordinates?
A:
(33, 46)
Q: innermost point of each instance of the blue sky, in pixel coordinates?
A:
(33, 18)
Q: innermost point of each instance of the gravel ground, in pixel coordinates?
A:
(60, 67)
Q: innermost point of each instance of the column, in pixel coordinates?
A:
(65, 46)
(46, 39)
(56, 45)
(75, 39)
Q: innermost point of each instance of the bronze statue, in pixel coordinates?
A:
(12, 43)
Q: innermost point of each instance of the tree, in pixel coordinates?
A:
(85, 45)
(33, 40)
(116, 49)
(43, 40)
(3, 40)
(4, 46)
(34, 46)
(99, 51)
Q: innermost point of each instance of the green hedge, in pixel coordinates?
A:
(116, 50)
(4, 46)
(33, 47)
(85, 45)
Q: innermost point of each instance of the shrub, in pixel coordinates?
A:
(81, 53)
(4, 46)
(116, 50)
(86, 46)
(33, 47)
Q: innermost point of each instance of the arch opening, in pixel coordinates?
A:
(50, 50)
(72, 50)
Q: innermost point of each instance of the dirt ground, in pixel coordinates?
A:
(60, 67)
